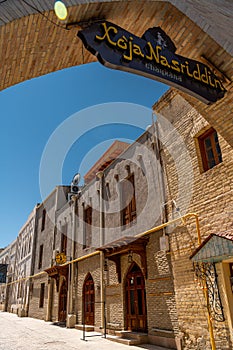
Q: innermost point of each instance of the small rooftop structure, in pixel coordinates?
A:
(106, 159)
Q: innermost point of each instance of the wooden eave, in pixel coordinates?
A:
(114, 250)
(106, 159)
(56, 270)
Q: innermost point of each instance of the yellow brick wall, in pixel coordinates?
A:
(34, 310)
(211, 198)
(161, 309)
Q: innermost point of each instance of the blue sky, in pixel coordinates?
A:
(32, 111)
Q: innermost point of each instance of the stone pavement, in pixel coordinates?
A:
(31, 334)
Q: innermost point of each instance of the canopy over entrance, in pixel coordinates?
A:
(126, 245)
(56, 272)
(216, 247)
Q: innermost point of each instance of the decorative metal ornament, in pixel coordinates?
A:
(130, 257)
(60, 258)
(105, 265)
(206, 272)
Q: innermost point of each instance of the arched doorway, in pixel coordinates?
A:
(135, 297)
(62, 302)
(89, 300)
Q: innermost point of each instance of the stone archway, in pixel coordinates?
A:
(34, 44)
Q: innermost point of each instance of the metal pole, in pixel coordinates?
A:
(105, 320)
(102, 288)
(100, 176)
(74, 198)
(209, 319)
(84, 307)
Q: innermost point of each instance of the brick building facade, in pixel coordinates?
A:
(210, 189)
(174, 301)
(7, 256)
(121, 250)
(179, 166)
(108, 254)
(23, 267)
(45, 235)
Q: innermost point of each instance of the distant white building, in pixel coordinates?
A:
(23, 267)
(7, 256)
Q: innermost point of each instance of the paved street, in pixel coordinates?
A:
(27, 333)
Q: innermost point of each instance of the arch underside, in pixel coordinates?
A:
(31, 45)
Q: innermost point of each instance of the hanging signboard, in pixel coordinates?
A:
(3, 273)
(153, 56)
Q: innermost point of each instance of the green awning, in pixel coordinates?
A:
(214, 248)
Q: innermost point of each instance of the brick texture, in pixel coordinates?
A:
(211, 199)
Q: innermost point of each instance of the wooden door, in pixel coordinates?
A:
(62, 302)
(136, 315)
(89, 300)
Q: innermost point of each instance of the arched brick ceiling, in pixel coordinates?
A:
(213, 16)
(31, 45)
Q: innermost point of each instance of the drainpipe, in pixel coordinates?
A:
(182, 219)
(71, 317)
(100, 176)
(73, 250)
(84, 257)
(155, 141)
(49, 310)
(33, 255)
(50, 299)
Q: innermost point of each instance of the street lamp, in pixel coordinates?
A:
(60, 10)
